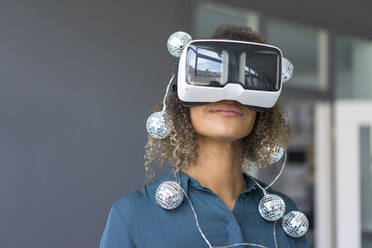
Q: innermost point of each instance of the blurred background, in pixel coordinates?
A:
(79, 78)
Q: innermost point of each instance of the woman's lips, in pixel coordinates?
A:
(227, 110)
(226, 113)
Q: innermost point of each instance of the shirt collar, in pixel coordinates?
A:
(186, 181)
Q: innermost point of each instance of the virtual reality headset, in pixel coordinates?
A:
(211, 70)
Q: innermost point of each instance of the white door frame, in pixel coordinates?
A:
(323, 174)
(349, 116)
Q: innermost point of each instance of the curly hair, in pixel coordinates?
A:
(180, 148)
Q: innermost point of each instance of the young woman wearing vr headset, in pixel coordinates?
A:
(218, 118)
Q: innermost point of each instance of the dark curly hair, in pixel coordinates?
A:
(180, 148)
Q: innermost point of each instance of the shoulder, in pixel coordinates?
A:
(141, 202)
(132, 207)
(129, 215)
(290, 204)
(131, 201)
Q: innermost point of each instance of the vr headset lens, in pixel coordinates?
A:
(214, 64)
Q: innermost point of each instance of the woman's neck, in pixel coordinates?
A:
(218, 168)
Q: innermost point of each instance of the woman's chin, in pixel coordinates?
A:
(224, 136)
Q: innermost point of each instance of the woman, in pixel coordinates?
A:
(209, 148)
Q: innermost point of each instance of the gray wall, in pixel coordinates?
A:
(344, 16)
(77, 81)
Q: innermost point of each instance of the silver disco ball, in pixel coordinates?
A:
(287, 70)
(276, 155)
(157, 125)
(295, 224)
(271, 207)
(169, 195)
(177, 42)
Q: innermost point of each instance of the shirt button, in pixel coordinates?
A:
(244, 196)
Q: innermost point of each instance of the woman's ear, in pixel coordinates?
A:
(255, 121)
(175, 71)
(174, 87)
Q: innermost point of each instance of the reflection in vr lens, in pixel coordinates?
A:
(257, 78)
(215, 67)
(205, 67)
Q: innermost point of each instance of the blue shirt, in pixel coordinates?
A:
(137, 221)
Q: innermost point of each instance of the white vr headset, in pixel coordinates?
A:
(211, 70)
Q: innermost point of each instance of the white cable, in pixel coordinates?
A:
(276, 244)
(239, 244)
(202, 234)
(276, 178)
(263, 189)
(281, 170)
(197, 222)
(166, 93)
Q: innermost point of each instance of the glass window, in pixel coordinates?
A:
(353, 64)
(365, 139)
(208, 16)
(302, 46)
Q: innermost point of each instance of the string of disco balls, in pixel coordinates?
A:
(169, 194)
